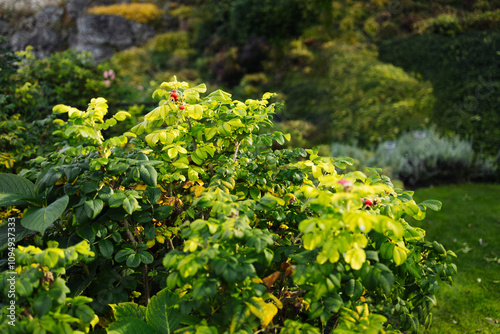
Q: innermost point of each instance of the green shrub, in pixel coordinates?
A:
(444, 24)
(464, 77)
(424, 158)
(36, 297)
(69, 76)
(139, 12)
(197, 224)
(361, 99)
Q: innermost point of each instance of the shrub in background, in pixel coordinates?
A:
(444, 24)
(464, 73)
(69, 76)
(361, 98)
(139, 12)
(423, 158)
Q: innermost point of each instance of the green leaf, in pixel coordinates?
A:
(116, 199)
(146, 257)
(355, 257)
(106, 248)
(172, 152)
(195, 111)
(387, 250)
(128, 310)
(130, 325)
(201, 88)
(196, 159)
(121, 115)
(93, 207)
(42, 304)
(354, 288)
(15, 184)
(192, 174)
(162, 313)
(130, 204)
(16, 199)
(148, 175)
(399, 256)
(254, 193)
(38, 219)
(85, 232)
(133, 260)
(432, 204)
(149, 231)
(240, 314)
(21, 232)
(85, 313)
(123, 254)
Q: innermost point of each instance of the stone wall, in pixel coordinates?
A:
(54, 28)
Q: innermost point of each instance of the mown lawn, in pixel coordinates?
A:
(468, 224)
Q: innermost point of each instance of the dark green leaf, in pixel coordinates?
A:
(93, 207)
(148, 175)
(85, 232)
(133, 260)
(123, 254)
(106, 248)
(149, 231)
(38, 219)
(15, 184)
(146, 257)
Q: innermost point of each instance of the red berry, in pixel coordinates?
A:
(368, 202)
(182, 107)
(174, 91)
(174, 96)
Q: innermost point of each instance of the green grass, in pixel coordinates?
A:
(468, 224)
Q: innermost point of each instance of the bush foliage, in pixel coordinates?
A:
(196, 225)
(139, 12)
(422, 158)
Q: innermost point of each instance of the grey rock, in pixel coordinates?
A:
(77, 8)
(104, 34)
(5, 28)
(41, 31)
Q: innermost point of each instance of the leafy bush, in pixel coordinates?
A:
(464, 75)
(444, 24)
(197, 225)
(39, 291)
(361, 98)
(31, 88)
(69, 76)
(424, 158)
(22, 140)
(141, 68)
(139, 12)
(240, 19)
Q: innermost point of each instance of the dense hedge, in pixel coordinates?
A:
(465, 76)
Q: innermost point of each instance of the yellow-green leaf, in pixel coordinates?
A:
(355, 257)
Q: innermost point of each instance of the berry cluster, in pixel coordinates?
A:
(175, 96)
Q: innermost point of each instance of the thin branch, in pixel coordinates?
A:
(145, 278)
(129, 233)
(190, 127)
(237, 144)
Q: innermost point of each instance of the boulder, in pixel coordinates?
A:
(76, 8)
(102, 35)
(5, 28)
(42, 31)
